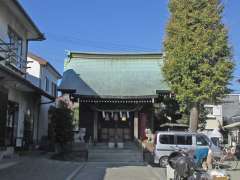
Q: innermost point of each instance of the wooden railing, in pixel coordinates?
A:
(11, 59)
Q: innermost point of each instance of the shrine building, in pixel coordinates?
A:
(116, 93)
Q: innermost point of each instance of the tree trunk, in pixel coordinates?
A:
(194, 113)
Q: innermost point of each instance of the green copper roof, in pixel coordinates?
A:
(114, 75)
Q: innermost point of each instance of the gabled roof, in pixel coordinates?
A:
(18, 10)
(44, 62)
(113, 75)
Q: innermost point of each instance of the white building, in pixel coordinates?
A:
(227, 111)
(226, 114)
(43, 75)
(214, 116)
(19, 99)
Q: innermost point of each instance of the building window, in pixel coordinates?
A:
(46, 84)
(16, 47)
(209, 110)
(54, 89)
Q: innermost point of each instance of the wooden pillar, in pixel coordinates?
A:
(152, 119)
(135, 130)
(95, 126)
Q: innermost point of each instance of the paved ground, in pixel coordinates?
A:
(104, 164)
(41, 168)
(118, 164)
(119, 171)
(235, 174)
(38, 168)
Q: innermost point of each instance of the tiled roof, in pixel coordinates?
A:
(114, 75)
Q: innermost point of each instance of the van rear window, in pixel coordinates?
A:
(166, 139)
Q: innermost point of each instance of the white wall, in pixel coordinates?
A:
(37, 75)
(33, 71)
(46, 71)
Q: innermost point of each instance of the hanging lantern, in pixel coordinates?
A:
(124, 117)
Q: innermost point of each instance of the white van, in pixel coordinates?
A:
(168, 141)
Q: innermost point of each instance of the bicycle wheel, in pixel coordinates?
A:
(231, 164)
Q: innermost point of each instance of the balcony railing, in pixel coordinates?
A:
(11, 58)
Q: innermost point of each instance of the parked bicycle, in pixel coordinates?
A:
(228, 160)
(184, 165)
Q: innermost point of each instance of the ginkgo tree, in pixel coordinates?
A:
(198, 60)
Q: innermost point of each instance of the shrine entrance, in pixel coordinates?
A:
(115, 121)
(115, 126)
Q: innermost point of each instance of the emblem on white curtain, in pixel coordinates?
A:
(115, 116)
(121, 114)
(128, 116)
(107, 118)
(103, 114)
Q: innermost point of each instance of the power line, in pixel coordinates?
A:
(98, 44)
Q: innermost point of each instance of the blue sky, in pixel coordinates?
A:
(112, 26)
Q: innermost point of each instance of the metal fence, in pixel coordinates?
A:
(9, 56)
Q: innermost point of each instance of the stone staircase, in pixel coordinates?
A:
(102, 153)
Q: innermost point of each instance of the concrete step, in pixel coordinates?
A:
(115, 155)
(101, 152)
(113, 150)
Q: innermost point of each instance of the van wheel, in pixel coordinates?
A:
(163, 161)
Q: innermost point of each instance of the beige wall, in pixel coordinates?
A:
(215, 119)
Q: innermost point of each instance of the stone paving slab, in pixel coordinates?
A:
(135, 172)
(235, 174)
(120, 171)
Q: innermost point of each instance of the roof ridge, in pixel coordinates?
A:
(96, 55)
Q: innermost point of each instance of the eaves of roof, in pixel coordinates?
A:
(44, 62)
(26, 82)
